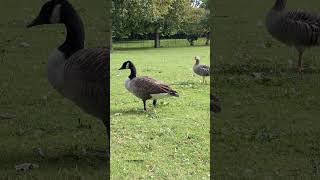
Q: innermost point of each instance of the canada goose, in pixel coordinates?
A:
(214, 104)
(201, 69)
(80, 75)
(294, 28)
(145, 87)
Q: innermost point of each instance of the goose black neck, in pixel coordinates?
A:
(197, 62)
(279, 5)
(75, 31)
(133, 71)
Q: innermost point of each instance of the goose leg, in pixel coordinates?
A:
(202, 79)
(154, 103)
(144, 105)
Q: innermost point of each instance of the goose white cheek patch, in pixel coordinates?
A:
(127, 65)
(55, 15)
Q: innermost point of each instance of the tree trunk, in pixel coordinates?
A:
(156, 38)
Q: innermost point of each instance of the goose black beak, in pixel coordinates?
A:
(35, 22)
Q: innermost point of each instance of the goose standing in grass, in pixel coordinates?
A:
(79, 74)
(298, 28)
(145, 87)
(201, 69)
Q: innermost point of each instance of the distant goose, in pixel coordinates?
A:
(294, 28)
(78, 74)
(145, 87)
(200, 69)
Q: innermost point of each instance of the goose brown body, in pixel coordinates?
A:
(85, 81)
(146, 88)
(299, 29)
(79, 74)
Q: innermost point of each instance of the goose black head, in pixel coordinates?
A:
(197, 59)
(50, 13)
(126, 65)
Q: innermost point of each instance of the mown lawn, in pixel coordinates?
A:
(269, 125)
(171, 141)
(32, 114)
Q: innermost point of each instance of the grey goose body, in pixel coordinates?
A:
(201, 69)
(145, 87)
(79, 74)
(298, 28)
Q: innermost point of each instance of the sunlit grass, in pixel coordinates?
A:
(171, 141)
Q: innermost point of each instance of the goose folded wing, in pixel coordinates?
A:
(205, 69)
(302, 27)
(88, 65)
(155, 81)
(151, 86)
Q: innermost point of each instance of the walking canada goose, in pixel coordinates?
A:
(145, 87)
(79, 74)
(201, 69)
(298, 28)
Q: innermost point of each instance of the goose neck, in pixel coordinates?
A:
(133, 72)
(75, 32)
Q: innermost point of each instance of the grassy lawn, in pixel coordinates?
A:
(171, 141)
(269, 126)
(37, 116)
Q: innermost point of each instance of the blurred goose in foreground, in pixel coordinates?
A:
(79, 74)
(215, 104)
(145, 87)
(298, 28)
(201, 69)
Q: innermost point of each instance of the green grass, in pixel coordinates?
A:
(41, 117)
(171, 141)
(269, 126)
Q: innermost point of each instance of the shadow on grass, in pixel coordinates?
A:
(131, 111)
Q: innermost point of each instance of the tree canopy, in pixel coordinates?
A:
(158, 17)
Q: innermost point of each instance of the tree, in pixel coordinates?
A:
(194, 25)
(148, 16)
